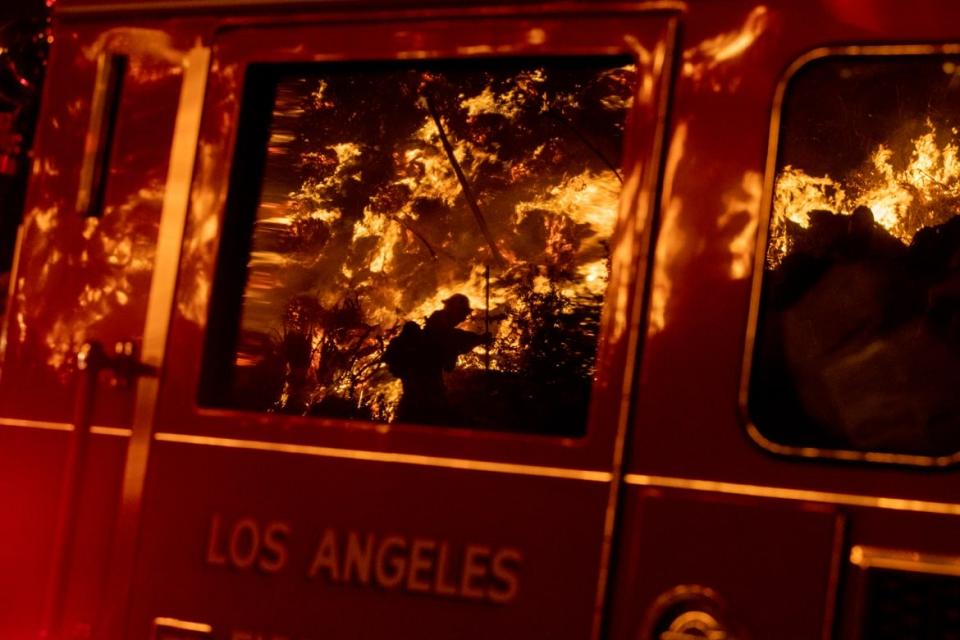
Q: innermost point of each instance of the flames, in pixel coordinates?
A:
(906, 192)
(414, 242)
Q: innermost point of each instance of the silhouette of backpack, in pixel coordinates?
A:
(403, 351)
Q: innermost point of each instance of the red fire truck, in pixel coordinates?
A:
(480, 319)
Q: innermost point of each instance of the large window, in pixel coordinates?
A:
(420, 243)
(858, 340)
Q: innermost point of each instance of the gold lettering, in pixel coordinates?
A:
(399, 563)
(506, 565)
(420, 562)
(215, 556)
(273, 542)
(472, 568)
(243, 559)
(326, 556)
(439, 586)
(358, 559)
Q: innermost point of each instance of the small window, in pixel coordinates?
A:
(857, 345)
(423, 243)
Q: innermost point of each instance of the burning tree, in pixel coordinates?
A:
(389, 188)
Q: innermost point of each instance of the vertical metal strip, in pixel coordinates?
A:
(5, 319)
(648, 198)
(173, 218)
(68, 510)
(103, 115)
(833, 586)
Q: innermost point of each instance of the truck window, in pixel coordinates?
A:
(422, 243)
(857, 345)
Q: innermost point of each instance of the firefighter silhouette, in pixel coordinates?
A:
(419, 357)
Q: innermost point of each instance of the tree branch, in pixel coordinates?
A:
(464, 185)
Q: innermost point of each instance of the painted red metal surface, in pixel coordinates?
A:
(200, 542)
(771, 564)
(687, 425)
(79, 279)
(100, 291)
(384, 493)
(88, 278)
(700, 290)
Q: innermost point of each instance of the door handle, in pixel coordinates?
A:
(124, 363)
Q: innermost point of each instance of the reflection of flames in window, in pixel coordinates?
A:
(551, 208)
(906, 188)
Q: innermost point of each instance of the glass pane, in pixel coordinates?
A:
(858, 343)
(431, 243)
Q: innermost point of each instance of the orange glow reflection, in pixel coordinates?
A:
(702, 62)
(739, 222)
(672, 239)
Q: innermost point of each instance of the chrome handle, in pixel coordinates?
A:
(124, 363)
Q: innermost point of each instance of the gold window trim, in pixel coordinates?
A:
(174, 624)
(866, 557)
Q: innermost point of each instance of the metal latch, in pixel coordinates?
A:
(124, 362)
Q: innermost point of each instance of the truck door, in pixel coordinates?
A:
(393, 370)
(83, 273)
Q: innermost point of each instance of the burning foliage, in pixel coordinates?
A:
(904, 196)
(388, 189)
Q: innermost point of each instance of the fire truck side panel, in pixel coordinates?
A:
(689, 427)
(79, 279)
(484, 498)
(390, 540)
